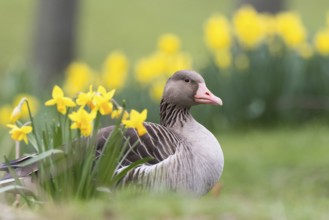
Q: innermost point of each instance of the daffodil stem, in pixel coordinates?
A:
(115, 103)
(32, 124)
(17, 150)
(17, 155)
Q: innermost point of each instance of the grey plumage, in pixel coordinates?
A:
(185, 156)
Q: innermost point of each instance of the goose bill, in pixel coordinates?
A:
(204, 96)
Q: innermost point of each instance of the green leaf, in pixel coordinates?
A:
(16, 188)
(41, 156)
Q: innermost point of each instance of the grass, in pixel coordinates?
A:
(278, 173)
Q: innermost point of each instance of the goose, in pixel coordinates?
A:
(185, 156)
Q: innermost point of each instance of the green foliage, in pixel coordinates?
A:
(284, 87)
(67, 167)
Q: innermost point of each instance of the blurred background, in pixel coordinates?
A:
(267, 60)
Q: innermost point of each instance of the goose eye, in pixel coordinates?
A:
(187, 80)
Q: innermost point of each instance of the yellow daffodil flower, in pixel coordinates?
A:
(136, 121)
(60, 100)
(169, 43)
(115, 70)
(117, 113)
(19, 134)
(87, 99)
(218, 33)
(102, 100)
(249, 27)
(78, 77)
(291, 29)
(83, 121)
(150, 68)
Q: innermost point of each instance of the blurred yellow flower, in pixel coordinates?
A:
(249, 27)
(24, 112)
(242, 61)
(5, 113)
(156, 89)
(160, 65)
(19, 134)
(115, 70)
(117, 113)
(321, 42)
(149, 68)
(223, 58)
(217, 33)
(291, 29)
(136, 121)
(102, 100)
(83, 121)
(179, 61)
(60, 100)
(78, 77)
(87, 99)
(169, 43)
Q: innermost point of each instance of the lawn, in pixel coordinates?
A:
(278, 173)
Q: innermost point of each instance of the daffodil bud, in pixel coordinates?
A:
(17, 112)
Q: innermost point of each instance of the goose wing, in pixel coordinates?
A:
(158, 143)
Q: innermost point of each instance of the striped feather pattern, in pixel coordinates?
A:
(158, 143)
(171, 115)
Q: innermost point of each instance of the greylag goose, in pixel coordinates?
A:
(186, 157)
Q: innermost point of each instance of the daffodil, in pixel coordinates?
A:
(78, 77)
(117, 113)
(291, 29)
(136, 121)
(169, 43)
(87, 99)
(102, 100)
(149, 68)
(60, 100)
(19, 134)
(83, 121)
(249, 27)
(179, 61)
(115, 70)
(218, 33)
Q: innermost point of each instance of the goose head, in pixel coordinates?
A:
(187, 88)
